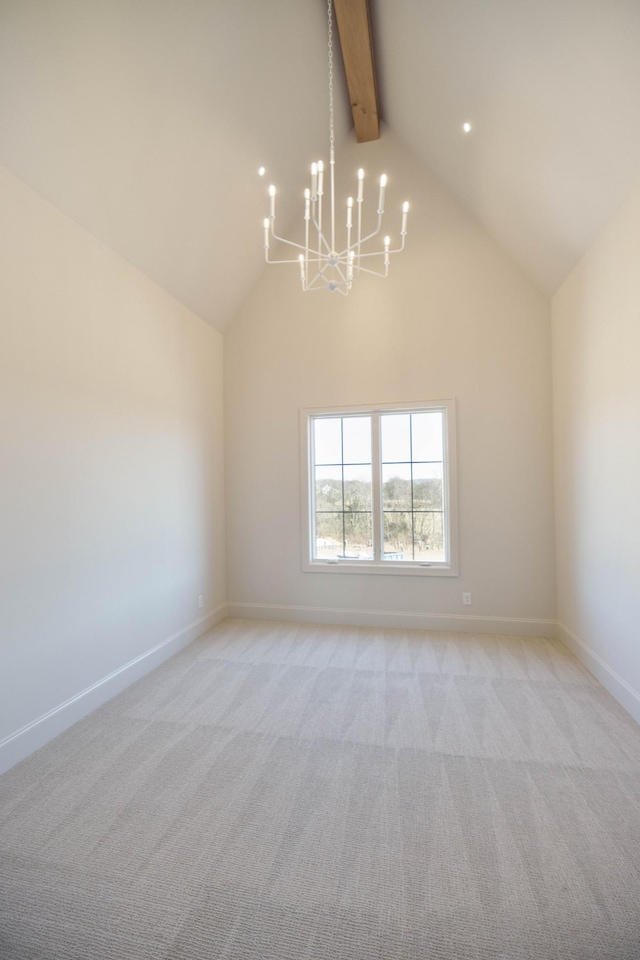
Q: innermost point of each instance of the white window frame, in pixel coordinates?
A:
(448, 568)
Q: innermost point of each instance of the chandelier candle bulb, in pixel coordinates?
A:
(265, 224)
(320, 178)
(387, 242)
(360, 184)
(314, 181)
(405, 211)
(349, 225)
(272, 202)
(383, 183)
(307, 203)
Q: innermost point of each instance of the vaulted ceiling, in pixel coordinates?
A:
(146, 121)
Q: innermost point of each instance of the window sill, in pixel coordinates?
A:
(388, 568)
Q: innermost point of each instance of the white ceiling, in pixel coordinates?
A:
(552, 89)
(145, 120)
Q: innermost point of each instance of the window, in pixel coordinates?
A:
(379, 489)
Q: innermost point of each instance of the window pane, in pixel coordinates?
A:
(428, 537)
(427, 486)
(398, 536)
(329, 543)
(358, 536)
(426, 436)
(357, 488)
(328, 488)
(407, 479)
(327, 439)
(395, 437)
(356, 441)
(396, 486)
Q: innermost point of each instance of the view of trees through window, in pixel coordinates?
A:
(410, 477)
(343, 487)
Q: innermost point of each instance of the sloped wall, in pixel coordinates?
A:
(596, 386)
(455, 319)
(111, 477)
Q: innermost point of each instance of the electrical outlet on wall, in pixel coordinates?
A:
(200, 602)
(466, 599)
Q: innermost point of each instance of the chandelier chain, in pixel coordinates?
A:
(330, 19)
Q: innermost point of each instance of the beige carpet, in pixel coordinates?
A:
(288, 792)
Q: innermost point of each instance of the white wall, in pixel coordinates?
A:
(596, 384)
(455, 319)
(111, 482)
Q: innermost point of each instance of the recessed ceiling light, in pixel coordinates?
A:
(261, 172)
(466, 127)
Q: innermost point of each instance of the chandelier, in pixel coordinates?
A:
(323, 264)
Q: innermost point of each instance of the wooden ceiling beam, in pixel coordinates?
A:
(354, 28)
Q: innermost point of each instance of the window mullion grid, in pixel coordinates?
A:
(344, 537)
(444, 505)
(413, 517)
(376, 481)
(312, 520)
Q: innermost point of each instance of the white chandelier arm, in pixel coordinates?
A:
(318, 208)
(320, 260)
(321, 271)
(336, 288)
(343, 279)
(332, 164)
(321, 280)
(345, 282)
(401, 247)
(381, 253)
(321, 236)
(317, 283)
(307, 218)
(311, 260)
(290, 243)
(314, 259)
(323, 260)
(375, 233)
(345, 251)
(266, 256)
(375, 273)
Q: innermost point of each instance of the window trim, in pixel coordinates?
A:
(379, 566)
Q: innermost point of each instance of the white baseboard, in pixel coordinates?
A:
(19, 745)
(619, 689)
(510, 626)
